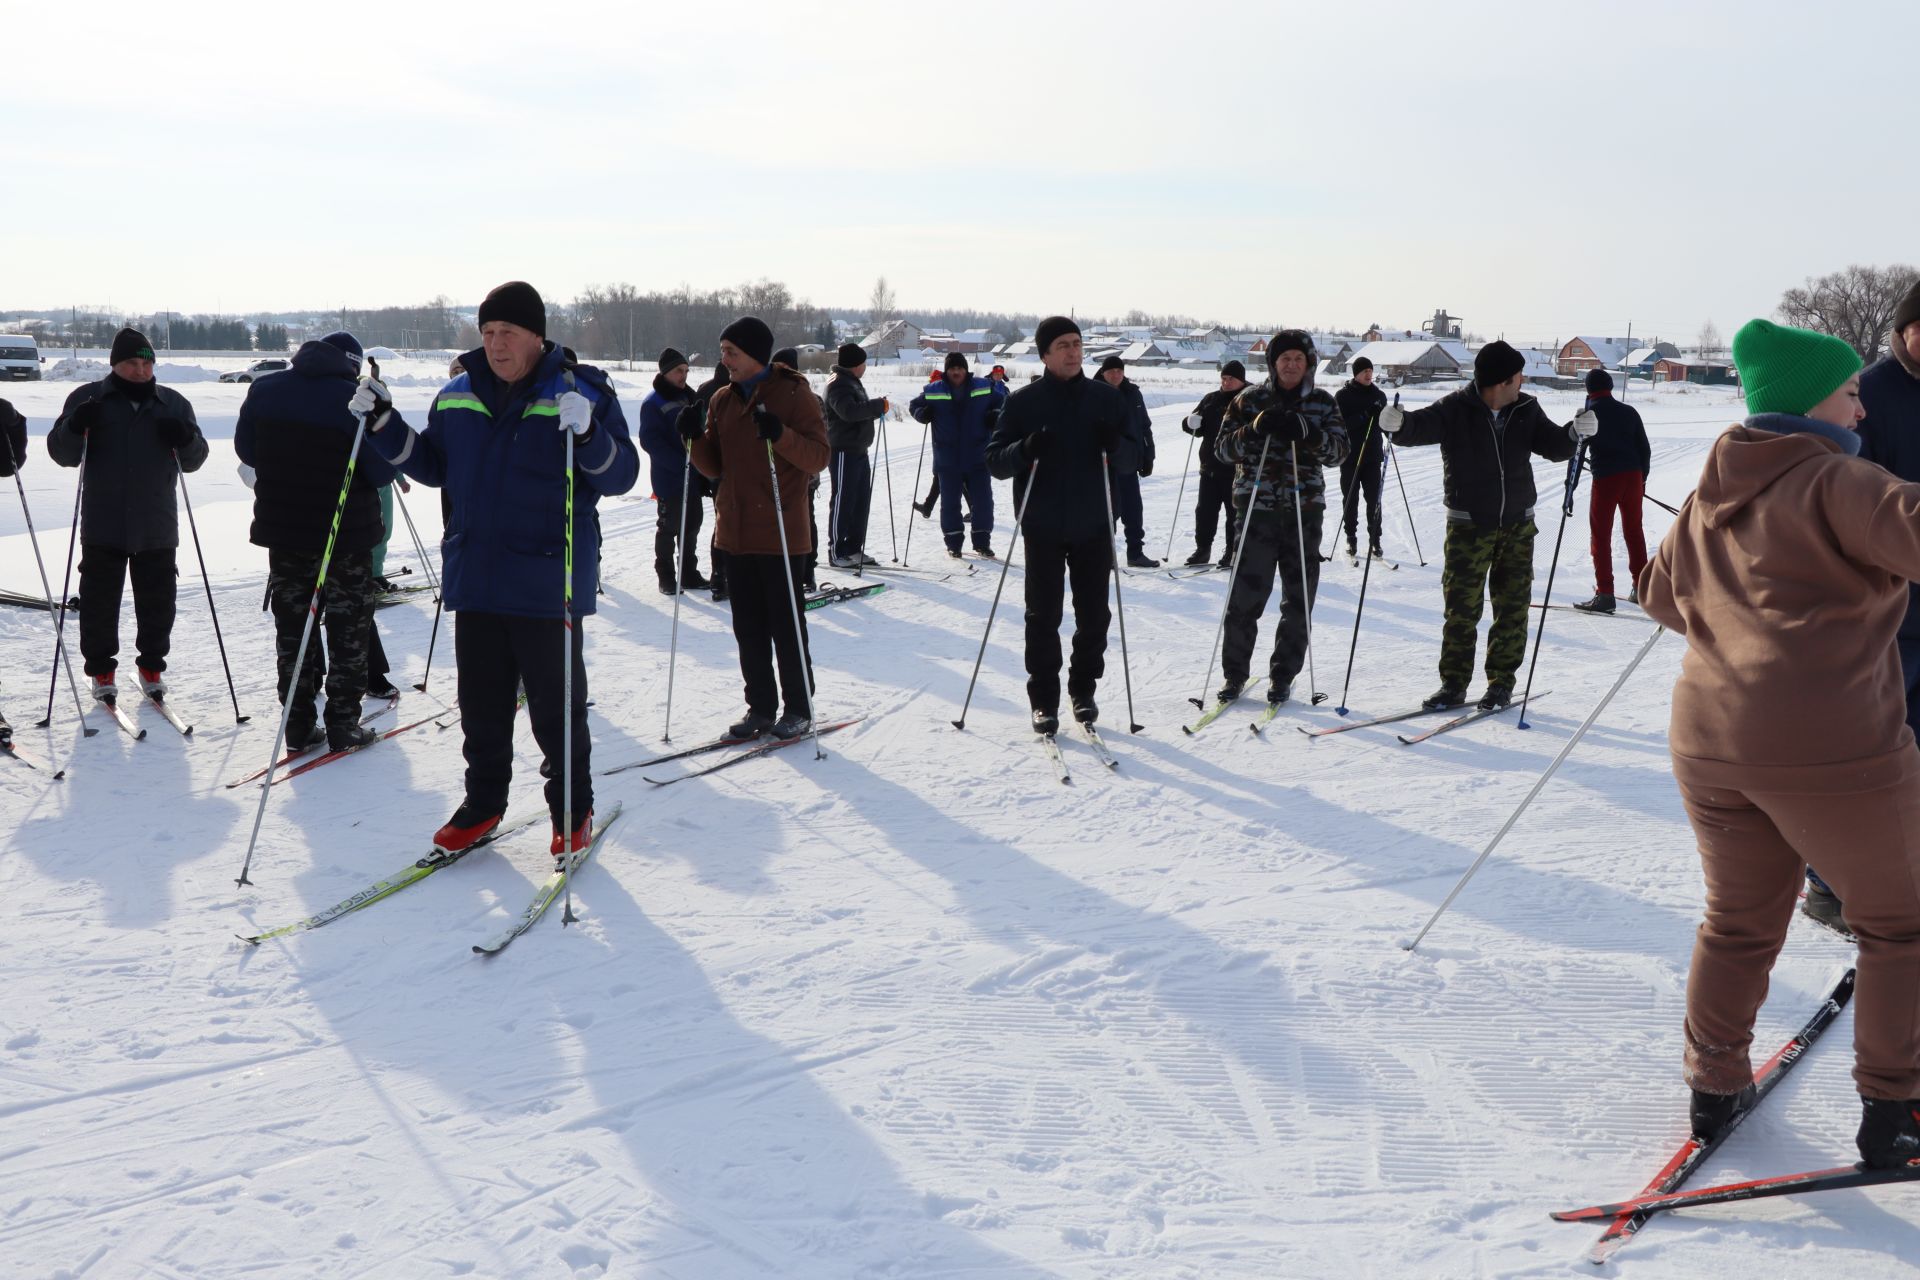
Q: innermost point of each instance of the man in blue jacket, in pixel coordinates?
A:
(667, 463)
(491, 440)
(961, 411)
(1132, 459)
(1621, 459)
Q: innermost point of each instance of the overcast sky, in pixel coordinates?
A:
(1538, 168)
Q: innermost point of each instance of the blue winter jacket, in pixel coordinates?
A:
(962, 420)
(660, 437)
(1890, 436)
(501, 456)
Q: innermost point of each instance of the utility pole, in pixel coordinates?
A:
(1626, 375)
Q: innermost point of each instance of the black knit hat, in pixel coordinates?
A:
(516, 302)
(1361, 364)
(852, 355)
(788, 356)
(1495, 363)
(1290, 340)
(671, 360)
(1051, 328)
(751, 335)
(130, 344)
(955, 361)
(1234, 369)
(1113, 362)
(1909, 309)
(1598, 380)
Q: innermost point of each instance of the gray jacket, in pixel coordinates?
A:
(127, 497)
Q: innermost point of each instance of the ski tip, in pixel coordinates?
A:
(252, 942)
(1187, 729)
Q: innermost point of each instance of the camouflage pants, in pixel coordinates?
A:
(1482, 562)
(346, 610)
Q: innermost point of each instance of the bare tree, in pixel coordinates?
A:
(1708, 339)
(1855, 305)
(882, 308)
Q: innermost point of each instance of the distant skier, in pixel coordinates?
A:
(1286, 417)
(1132, 459)
(131, 431)
(667, 462)
(1216, 474)
(1787, 573)
(1488, 434)
(1365, 465)
(850, 415)
(1063, 422)
(960, 411)
(1621, 460)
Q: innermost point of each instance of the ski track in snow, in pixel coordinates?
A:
(911, 1010)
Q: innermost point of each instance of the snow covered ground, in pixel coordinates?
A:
(914, 1010)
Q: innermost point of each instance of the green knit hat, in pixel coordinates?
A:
(1787, 370)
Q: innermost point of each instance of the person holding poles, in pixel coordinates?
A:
(1488, 434)
(959, 411)
(133, 438)
(764, 427)
(1621, 459)
(491, 442)
(850, 416)
(1133, 460)
(1365, 466)
(679, 513)
(1216, 474)
(1065, 422)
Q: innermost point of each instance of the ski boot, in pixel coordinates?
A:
(1710, 1112)
(1085, 709)
(1141, 560)
(1496, 697)
(1889, 1133)
(349, 737)
(1229, 690)
(1046, 723)
(1446, 696)
(151, 683)
(104, 689)
(465, 828)
(1199, 557)
(1601, 603)
(796, 724)
(582, 837)
(751, 725)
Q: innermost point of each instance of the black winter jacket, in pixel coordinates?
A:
(1358, 405)
(296, 431)
(1135, 452)
(1069, 492)
(128, 501)
(1890, 436)
(16, 429)
(850, 413)
(1210, 410)
(1488, 464)
(1621, 444)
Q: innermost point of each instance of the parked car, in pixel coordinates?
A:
(258, 369)
(20, 357)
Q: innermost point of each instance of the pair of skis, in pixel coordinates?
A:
(158, 702)
(756, 747)
(1050, 744)
(834, 595)
(1456, 722)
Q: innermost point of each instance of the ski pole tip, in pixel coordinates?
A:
(1319, 698)
(58, 776)
(241, 719)
(1136, 728)
(1408, 944)
(1341, 711)
(959, 724)
(88, 732)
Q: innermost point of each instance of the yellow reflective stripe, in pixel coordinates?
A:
(461, 402)
(937, 395)
(542, 411)
(984, 391)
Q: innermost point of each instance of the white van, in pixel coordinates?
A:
(19, 358)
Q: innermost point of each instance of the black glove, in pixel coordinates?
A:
(1284, 425)
(85, 416)
(768, 423)
(1146, 468)
(692, 422)
(174, 432)
(7, 464)
(1038, 443)
(1106, 435)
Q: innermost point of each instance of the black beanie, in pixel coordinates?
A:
(852, 355)
(788, 356)
(671, 360)
(1909, 309)
(1234, 369)
(1290, 340)
(1361, 364)
(1051, 328)
(130, 344)
(751, 335)
(1598, 380)
(1113, 362)
(1496, 363)
(516, 302)
(955, 361)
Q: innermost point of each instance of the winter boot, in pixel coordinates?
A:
(1229, 690)
(151, 683)
(349, 737)
(984, 550)
(104, 690)
(954, 553)
(1889, 1133)
(1278, 693)
(1633, 595)
(1823, 906)
(1496, 697)
(866, 559)
(1199, 557)
(1710, 1112)
(1046, 723)
(1141, 560)
(1601, 603)
(694, 580)
(1447, 695)
(1373, 550)
(381, 688)
(844, 562)
(465, 828)
(925, 508)
(795, 724)
(582, 837)
(669, 587)
(1353, 547)
(1085, 709)
(751, 725)
(304, 731)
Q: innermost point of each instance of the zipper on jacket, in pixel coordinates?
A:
(1500, 460)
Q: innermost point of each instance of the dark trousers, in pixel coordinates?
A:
(667, 532)
(757, 587)
(811, 557)
(493, 655)
(1621, 492)
(1367, 473)
(346, 606)
(1053, 565)
(852, 472)
(1482, 562)
(103, 573)
(1273, 546)
(1216, 499)
(975, 484)
(1127, 510)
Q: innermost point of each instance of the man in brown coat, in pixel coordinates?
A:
(765, 423)
(1786, 571)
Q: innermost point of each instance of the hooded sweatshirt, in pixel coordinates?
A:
(1786, 571)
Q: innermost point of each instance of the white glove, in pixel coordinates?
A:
(1392, 418)
(1586, 423)
(371, 401)
(1191, 424)
(247, 475)
(576, 413)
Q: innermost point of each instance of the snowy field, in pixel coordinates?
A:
(914, 1010)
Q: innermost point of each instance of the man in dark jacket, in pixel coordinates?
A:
(491, 441)
(1132, 459)
(295, 431)
(133, 437)
(1049, 441)
(850, 414)
(1360, 475)
(702, 402)
(1216, 474)
(1487, 435)
(961, 409)
(673, 486)
(1279, 435)
(1621, 460)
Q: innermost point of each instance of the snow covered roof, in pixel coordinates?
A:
(1643, 355)
(1540, 364)
(1391, 354)
(1610, 351)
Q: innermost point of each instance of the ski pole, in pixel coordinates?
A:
(1366, 571)
(912, 493)
(208, 584)
(1239, 548)
(1566, 510)
(419, 545)
(793, 597)
(1394, 457)
(433, 638)
(1179, 497)
(886, 465)
(1119, 600)
(1558, 760)
(1019, 516)
(566, 689)
(1306, 596)
(66, 585)
(60, 653)
(679, 585)
(306, 635)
